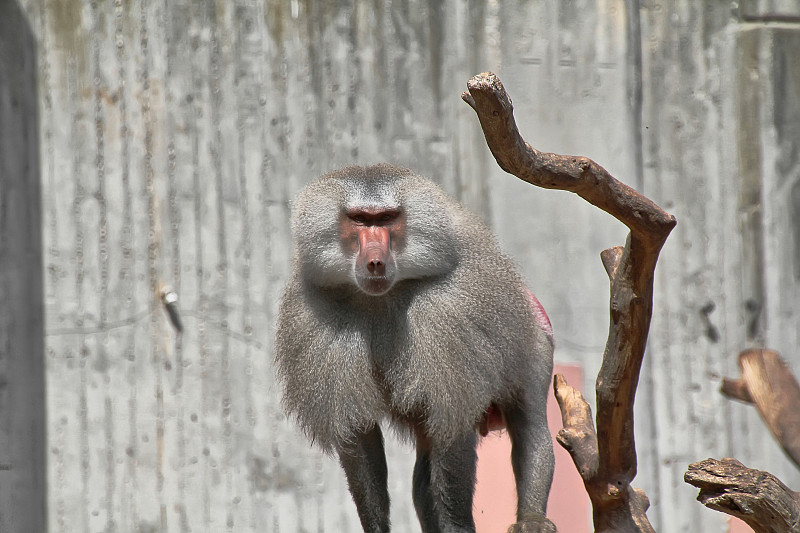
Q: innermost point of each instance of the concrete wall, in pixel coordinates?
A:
(22, 370)
(173, 135)
(720, 101)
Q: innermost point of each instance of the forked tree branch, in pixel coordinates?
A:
(606, 459)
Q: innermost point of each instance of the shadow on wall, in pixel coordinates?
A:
(22, 405)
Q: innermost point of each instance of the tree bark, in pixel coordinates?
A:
(757, 497)
(768, 382)
(605, 457)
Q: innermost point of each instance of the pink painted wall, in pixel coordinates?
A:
(737, 526)
(495, 494)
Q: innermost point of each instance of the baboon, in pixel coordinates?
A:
(402, 308)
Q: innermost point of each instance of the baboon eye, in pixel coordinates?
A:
(367, 218)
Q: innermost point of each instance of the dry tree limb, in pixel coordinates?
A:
(757, 497)
(577, 174)
(577, 436)
(736, 389)
(607, 459)
(768, 382)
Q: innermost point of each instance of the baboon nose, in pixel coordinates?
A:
(376, 267)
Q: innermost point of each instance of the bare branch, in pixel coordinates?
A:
(768, 382)
(736, 389)
(607, 458)
(757, 497)
(577, 436)
(577, 174)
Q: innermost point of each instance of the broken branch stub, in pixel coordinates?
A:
(605, 456)
(754, 496)
(768, 382)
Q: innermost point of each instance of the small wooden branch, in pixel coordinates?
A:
(757, 497)
(736, 389)
(768, 382)
(577, 436)
(606, 459)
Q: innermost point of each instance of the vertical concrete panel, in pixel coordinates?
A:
(23, 436)
(699, 311)
(708, 155)
(779, 134)
(766, 110)
(570, 96)
(689, 336)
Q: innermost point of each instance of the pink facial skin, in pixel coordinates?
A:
(373, 235)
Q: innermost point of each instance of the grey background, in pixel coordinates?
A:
(154, 143)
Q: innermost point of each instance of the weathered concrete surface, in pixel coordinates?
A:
(22, 404)
(173, 135)
(711, 153)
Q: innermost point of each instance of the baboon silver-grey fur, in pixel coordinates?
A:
(454, 335)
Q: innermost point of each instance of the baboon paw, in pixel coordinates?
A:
(533, 524)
